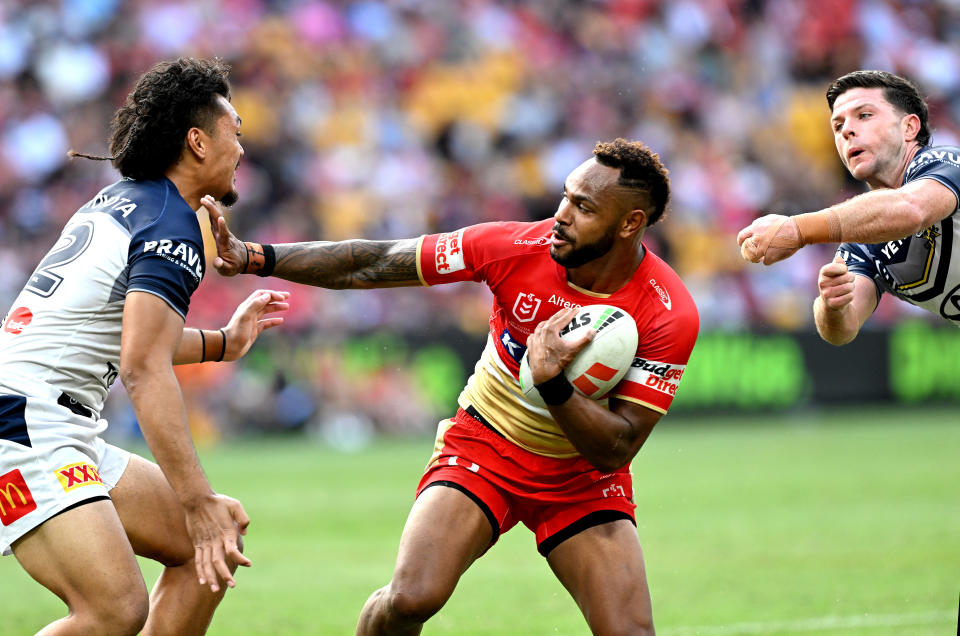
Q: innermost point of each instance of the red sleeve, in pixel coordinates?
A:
(661, 360)
(443, 258)
(466, 253)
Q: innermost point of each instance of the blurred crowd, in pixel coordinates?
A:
(393, 118)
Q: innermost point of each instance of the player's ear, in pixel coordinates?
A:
(633, 221)
(197, 143)
(910, 125)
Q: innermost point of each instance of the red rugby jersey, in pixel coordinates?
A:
(528, 286)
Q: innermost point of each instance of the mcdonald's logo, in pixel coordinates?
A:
(16, 500)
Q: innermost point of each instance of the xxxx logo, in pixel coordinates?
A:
(79, 474)
(597, 371)
(16, 500)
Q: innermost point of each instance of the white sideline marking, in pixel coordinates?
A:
(814, 624)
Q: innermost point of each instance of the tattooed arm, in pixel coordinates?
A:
(355, 264)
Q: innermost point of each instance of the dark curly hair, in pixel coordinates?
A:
(149, 131)
(900, 92)
(640, 170)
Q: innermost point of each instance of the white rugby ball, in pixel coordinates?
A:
(601, 364)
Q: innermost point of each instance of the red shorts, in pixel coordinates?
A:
(556, 498)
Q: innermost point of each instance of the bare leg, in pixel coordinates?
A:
(83, 557)
(602, 568)
(444, 534)
(154, 522)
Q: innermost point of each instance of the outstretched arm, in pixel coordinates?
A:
(355, 264)
(873, 217)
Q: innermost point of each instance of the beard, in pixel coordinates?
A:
(230, 198)
(585, 253)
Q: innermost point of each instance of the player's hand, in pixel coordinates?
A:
(248, 320)
(213, 524)
(548, 353)
(231, 252)
(769, 239)
(836, 285)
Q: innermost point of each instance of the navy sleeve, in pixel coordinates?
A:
(170, 268)
(859, 261)
(165, 256)
(940, 163)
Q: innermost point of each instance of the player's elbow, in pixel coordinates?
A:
(609, 462)
(836, 336)
(915, 214)
(137, 372)
(838, 340)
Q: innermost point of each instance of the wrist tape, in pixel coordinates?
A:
(556, 390)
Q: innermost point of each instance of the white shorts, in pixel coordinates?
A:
(51, 459)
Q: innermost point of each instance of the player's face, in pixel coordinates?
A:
(585, 224)
(225, 155)
(869, 134)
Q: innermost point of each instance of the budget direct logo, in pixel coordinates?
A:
(16, 500)
(449, 253)
(660, 376)
(76, 475)
(18, 320)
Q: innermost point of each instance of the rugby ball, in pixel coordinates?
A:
(601, 364)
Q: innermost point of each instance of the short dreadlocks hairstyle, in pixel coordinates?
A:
(149, 131)
(640, 170)
(898, 91)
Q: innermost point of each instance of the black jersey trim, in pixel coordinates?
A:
(494, 526)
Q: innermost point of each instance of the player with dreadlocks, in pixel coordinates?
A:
(109, 300)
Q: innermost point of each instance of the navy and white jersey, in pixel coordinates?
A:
(64, 327)
(919, 268)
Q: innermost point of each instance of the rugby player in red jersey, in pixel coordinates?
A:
(564, 470)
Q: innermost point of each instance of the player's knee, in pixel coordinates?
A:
(630, 626)
(414, 603)
(125, 612)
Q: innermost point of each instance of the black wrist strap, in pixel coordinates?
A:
(556, 390)
(223, 346)
(203, 346)
(269, 260)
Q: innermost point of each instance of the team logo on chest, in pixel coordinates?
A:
(525, 309)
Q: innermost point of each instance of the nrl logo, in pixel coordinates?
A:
(525, 309)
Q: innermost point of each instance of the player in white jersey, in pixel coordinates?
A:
(899, 237)
(109, 300)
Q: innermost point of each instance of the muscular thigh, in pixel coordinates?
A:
(81, 555)
(151, 514)
(602, 568)
(444, 533)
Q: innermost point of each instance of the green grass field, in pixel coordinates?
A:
(816, 523)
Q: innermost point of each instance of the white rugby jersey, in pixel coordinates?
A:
(920, 269)
(64, 327)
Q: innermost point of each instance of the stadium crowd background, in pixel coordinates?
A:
(381, 119)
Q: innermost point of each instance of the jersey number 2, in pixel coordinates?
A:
(72, 243)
